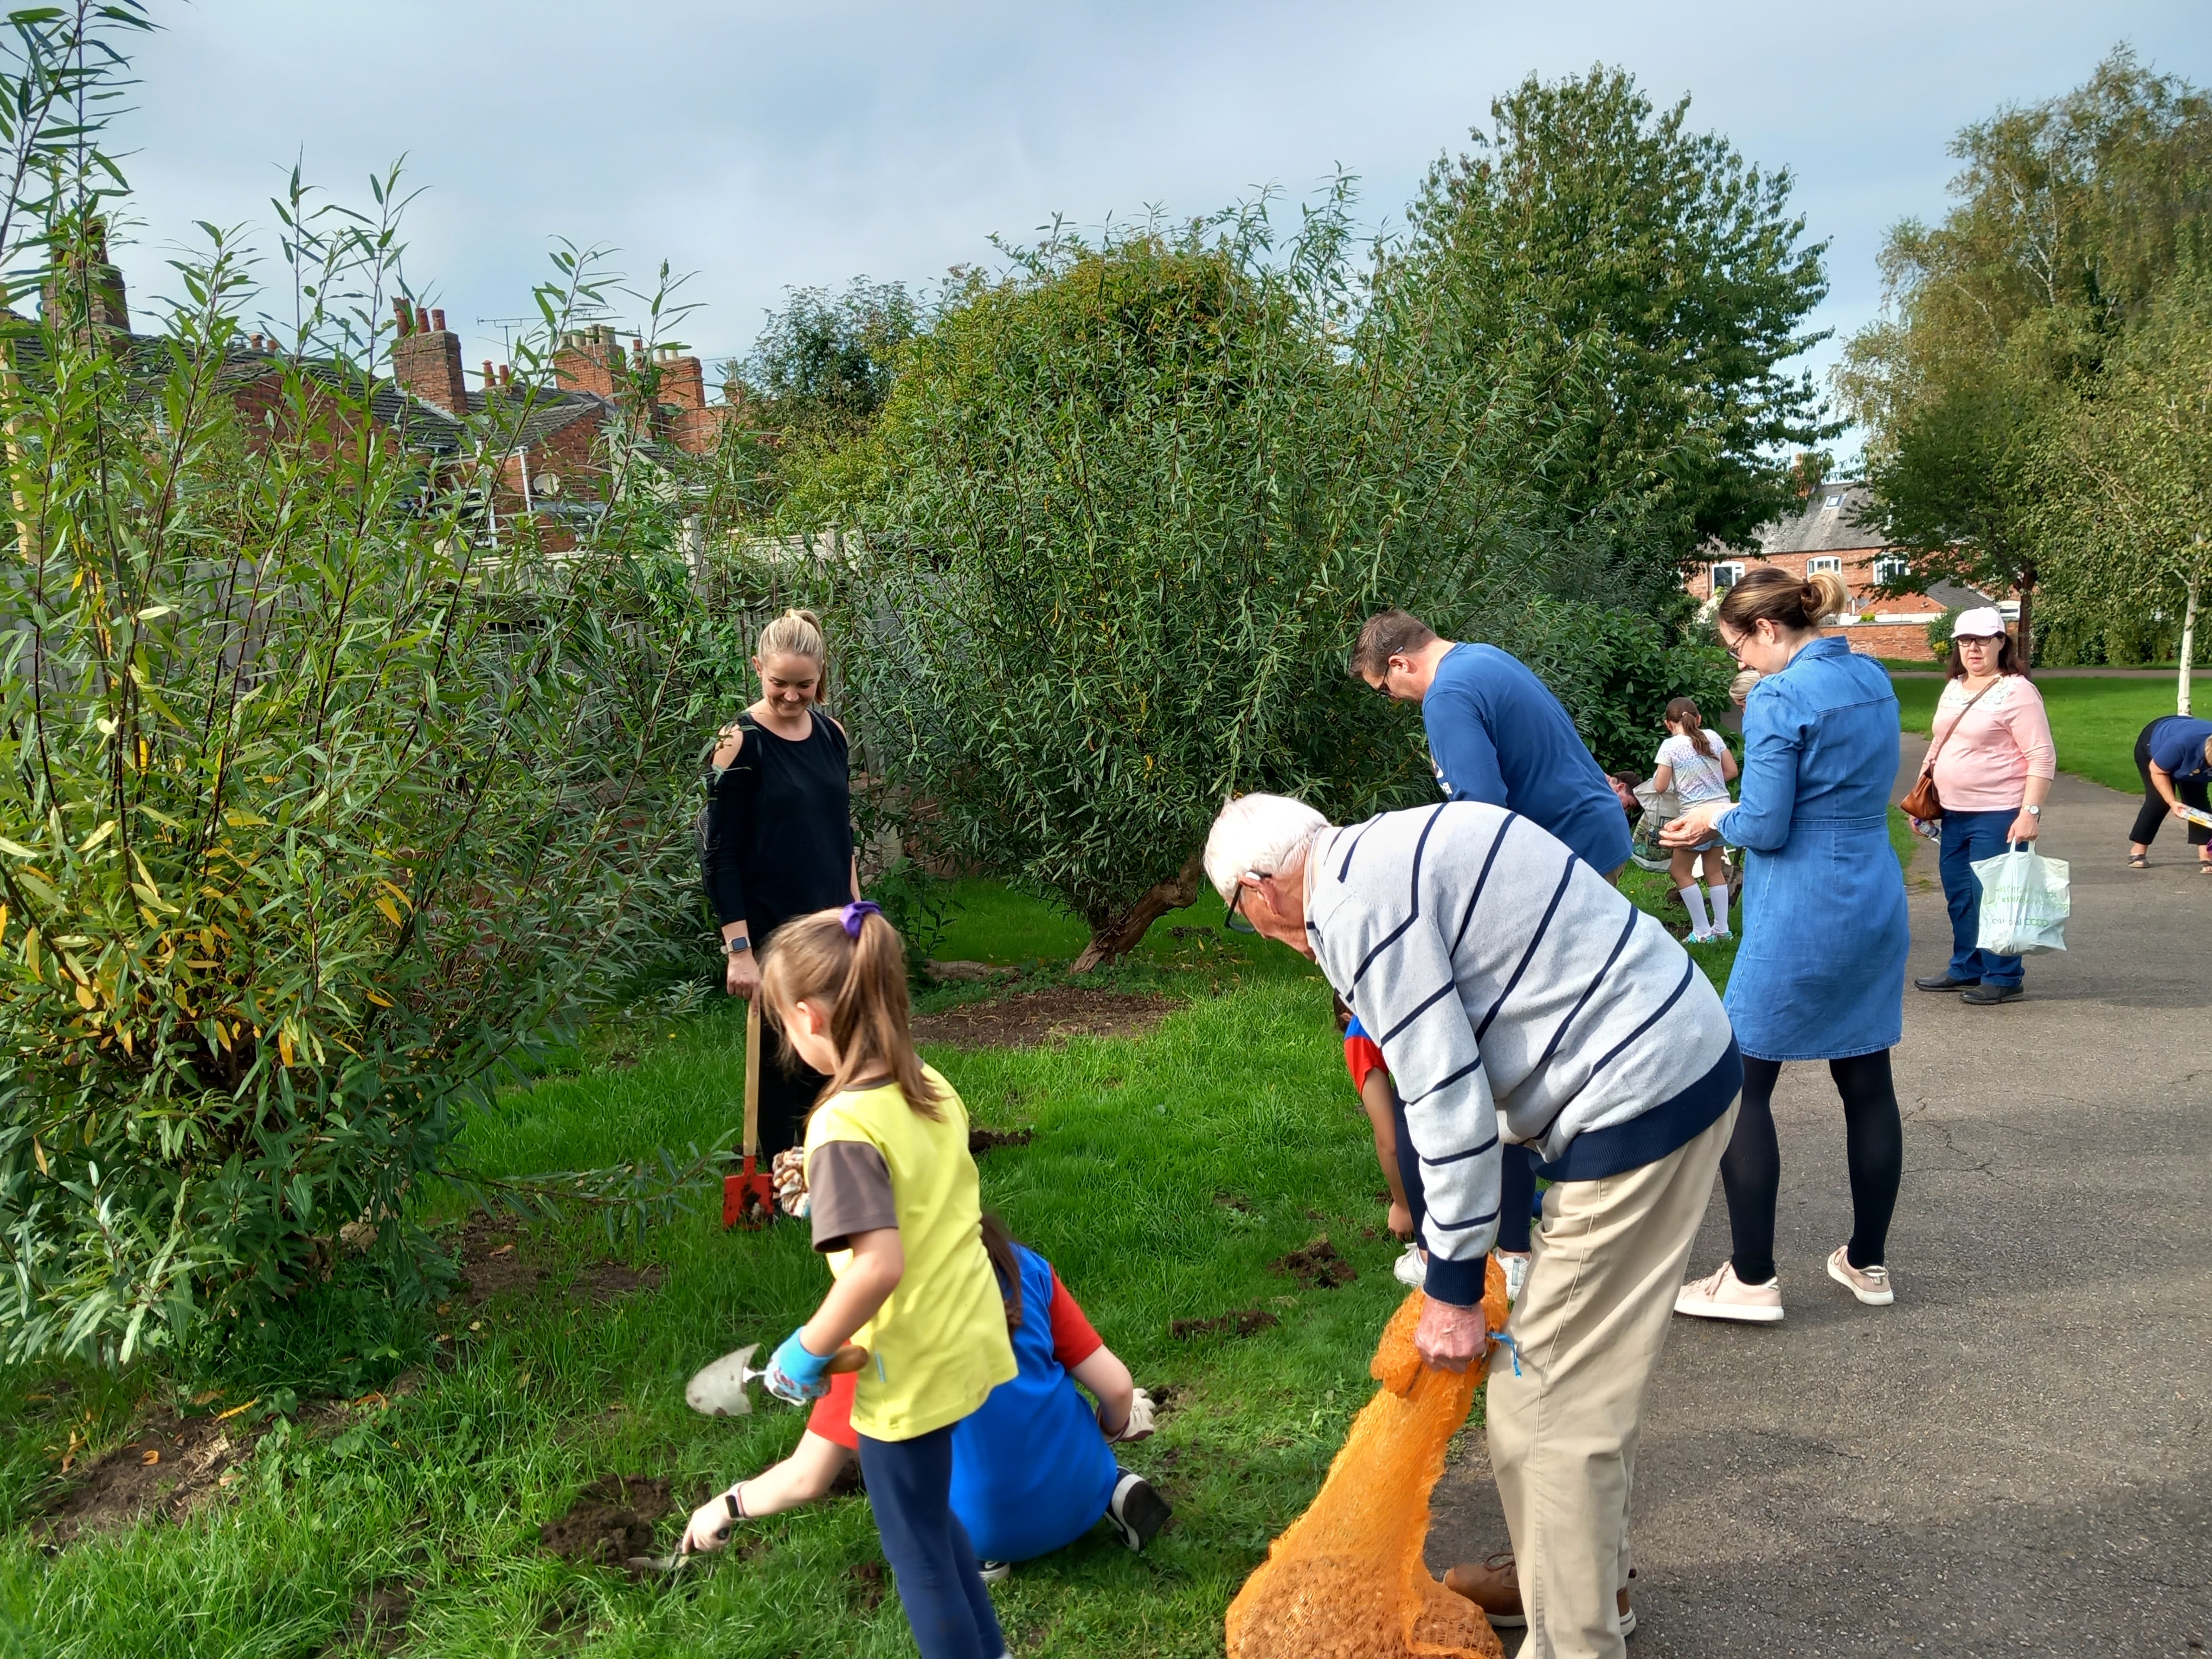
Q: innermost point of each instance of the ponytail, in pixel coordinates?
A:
(854, 959)
(998, 1245)
(1683, 711)
(1767, 594)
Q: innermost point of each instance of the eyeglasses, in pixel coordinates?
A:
(1381, 688)
(1236, 922)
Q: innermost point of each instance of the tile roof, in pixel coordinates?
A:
(1821, 528)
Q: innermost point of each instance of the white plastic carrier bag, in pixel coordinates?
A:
(2025, 901)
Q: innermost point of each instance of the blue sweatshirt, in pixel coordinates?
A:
(1498, 735)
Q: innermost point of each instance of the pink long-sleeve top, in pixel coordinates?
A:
(1991, 752)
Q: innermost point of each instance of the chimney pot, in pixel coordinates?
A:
(438, 321)
(421, 320)
(506, 374)
(490, 378)
(406, 317)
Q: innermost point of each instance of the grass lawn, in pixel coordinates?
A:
(2092, 720)
(1167, 1171)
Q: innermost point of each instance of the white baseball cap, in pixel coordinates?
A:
(1982, 622)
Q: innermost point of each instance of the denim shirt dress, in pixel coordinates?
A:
(1821, 974)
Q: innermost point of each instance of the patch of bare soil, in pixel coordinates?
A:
(610, 1520)
(1318, 1265)
(490, 1255)
(968, 973)
(169, 1470)
(867, 1579)
(1041, 1016)
(1246, 1321)
(379, 1622)
(980, 1141)
(603, 1281)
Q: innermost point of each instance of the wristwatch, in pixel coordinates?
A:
(2033, 812)
(736, 946)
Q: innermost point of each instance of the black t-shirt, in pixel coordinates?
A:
(780, 833)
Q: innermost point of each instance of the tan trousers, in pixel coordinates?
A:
(1605, 1264)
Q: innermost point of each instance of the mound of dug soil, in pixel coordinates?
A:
(980, 1141)
(1247, 1321)
(1317, 1266)
(379, 1624)
(610, 1520)
(169, 1470)
(1040, 1017)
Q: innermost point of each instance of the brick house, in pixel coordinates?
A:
(1828, 534)
(547, 445)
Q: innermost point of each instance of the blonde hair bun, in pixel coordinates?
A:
(796, 632)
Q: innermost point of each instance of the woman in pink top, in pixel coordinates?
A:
(1992, 772)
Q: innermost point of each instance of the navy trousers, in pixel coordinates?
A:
(910, 1488)
(1968, 837)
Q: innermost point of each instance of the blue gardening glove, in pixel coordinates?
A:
(797, 1374)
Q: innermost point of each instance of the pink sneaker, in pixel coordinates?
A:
(1870, 1285)
(1722, 1295)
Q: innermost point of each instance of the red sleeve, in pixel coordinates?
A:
(1361, 1056)
(832, 1416)
(1073, 1341)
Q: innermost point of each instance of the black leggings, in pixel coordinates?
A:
(2154, 810)
(1874, 1143)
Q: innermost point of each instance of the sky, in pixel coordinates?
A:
(761, 147)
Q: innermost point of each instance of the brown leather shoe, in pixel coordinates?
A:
(1492, 1586)
(1495, 1588)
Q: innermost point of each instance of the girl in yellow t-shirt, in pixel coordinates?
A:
(895, 1206)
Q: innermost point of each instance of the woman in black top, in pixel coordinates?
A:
(779, 840)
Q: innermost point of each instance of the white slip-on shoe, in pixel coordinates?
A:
(1722, 1295)
(1870, 1285)
(1410, 1269)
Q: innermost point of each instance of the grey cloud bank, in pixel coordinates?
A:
(762, 148)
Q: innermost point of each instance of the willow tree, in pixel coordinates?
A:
(1130, 502)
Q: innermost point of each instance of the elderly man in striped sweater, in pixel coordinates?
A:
(1516, 994)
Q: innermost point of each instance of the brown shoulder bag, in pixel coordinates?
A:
(1921, 801)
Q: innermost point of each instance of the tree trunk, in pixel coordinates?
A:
(2024, 638)
(1125, 931)
(2188, 651)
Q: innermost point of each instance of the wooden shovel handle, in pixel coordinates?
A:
(850, 1358)
(752, 1075)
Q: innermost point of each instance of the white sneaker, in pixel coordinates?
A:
(1517, 1272)
(994, 1572)
(1722, 1295)
(1870, 1285)
(1410, 1269)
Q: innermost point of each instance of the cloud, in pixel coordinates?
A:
(765, 147)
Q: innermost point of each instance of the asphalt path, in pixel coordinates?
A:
(2015, 1458)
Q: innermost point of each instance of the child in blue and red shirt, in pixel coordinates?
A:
(1401, 1165)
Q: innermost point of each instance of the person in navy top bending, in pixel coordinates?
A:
(1498, 735)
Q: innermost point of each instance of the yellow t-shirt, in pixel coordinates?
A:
(938, 1345)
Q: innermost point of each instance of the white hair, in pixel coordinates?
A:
(1257, 834)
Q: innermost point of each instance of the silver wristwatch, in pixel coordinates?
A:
(736, 946)
(2033, 812)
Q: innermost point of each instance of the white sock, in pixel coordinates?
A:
(1695, 899)
(1720, 907)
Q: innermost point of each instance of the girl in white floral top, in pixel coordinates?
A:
(1696, 764)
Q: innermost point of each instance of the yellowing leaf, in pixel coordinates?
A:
(38, 1152)
(390, 910)
(84, 997)
(98, 837)
(284, 1046)
(399, 893)
(154, 611)
(243, 820)
(379, 999)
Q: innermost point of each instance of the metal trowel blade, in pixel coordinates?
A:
(719, 1389)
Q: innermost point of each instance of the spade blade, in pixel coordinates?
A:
(719, 1389)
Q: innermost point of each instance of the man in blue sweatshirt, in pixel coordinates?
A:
(1515, 991)
(1497, 733)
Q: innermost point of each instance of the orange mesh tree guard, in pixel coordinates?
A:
(1347, 1580)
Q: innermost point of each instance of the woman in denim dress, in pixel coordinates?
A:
(1820, 974)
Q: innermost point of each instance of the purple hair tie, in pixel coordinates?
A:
(854, 913)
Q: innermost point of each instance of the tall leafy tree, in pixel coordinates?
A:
(2128, 472)
(2069, 214)
(1664, 282)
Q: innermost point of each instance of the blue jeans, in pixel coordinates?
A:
(910, 1488)
(1517, 1203)
(1968, 837)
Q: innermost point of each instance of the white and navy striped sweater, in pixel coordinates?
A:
(1502, 975)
